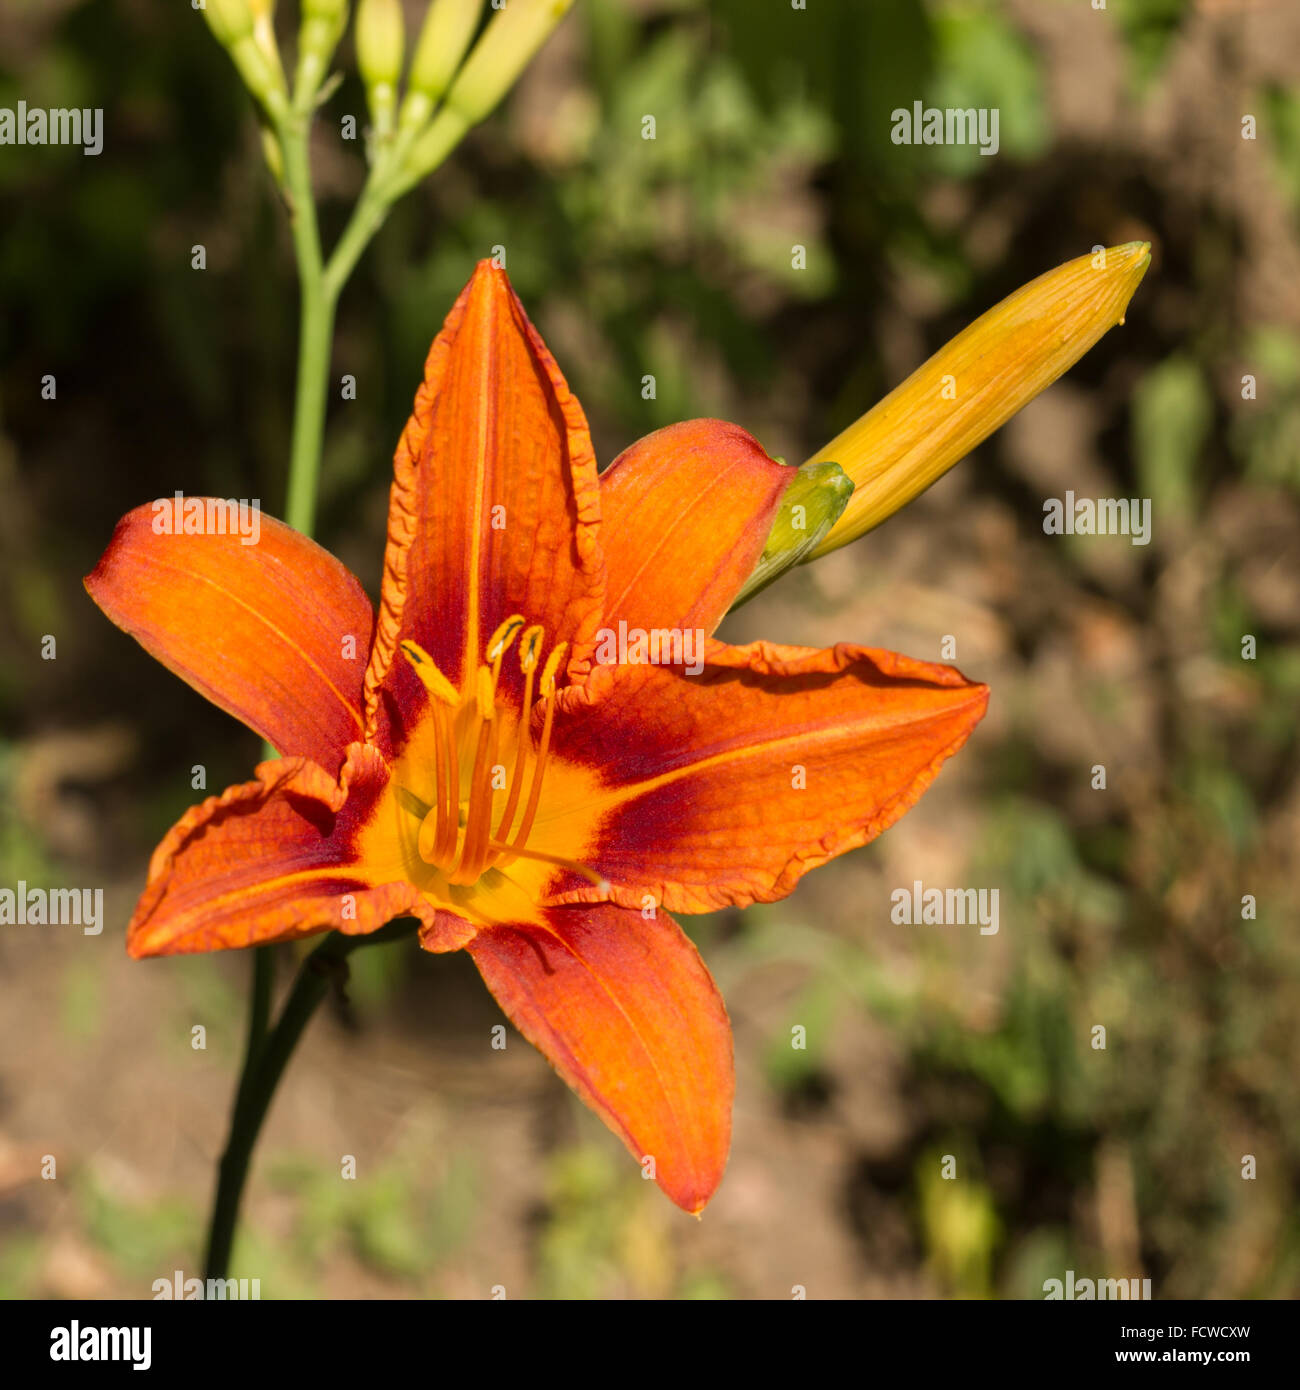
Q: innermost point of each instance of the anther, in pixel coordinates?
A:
(530, 647)
(546, 687)
(503, 636)
(431, 678)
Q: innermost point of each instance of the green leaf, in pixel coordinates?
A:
(1172, 414)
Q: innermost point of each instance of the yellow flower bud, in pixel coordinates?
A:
(505, 50)
(321, 27)
(976, 383)
(229, 20)
(234, 24)
(448, 27)
(263, 12)
(381, 41)
(381, 44)
(508, 44)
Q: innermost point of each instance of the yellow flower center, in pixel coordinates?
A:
(475, 821)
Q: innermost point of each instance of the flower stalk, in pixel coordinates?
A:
(264, 1064)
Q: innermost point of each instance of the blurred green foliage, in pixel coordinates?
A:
(1267, 438)
(1171, 420)
(1149, 28)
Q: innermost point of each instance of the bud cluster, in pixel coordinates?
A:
(452, 83)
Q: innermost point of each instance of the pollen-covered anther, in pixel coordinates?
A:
(430, 676)
(502, 638)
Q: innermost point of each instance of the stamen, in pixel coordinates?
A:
(484, 690)
(547, 689)
(447, 768)
(410, 803)
(431, 678)
(503, 636)
(465, 858)
(498, 646)
(529, 648)
(474, 845)
(437, 837)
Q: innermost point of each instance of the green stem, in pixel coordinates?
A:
(367, 217)
(267, 1055)
(316, 303)
(390, 178)
(259, 1014)
(316, 333)
(325, 965)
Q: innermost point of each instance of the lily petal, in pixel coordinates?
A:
(685, 513)
(727, 788)
(627, 1013)
(494, 511)
(262, 630)
(272, 860)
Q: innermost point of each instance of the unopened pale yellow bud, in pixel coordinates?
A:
(505, 50)
(321, 28)
(263, 76)
(448, 27)
(976, 382)
(322, 25)
(229, 20)
(263, 12)
(381, 46)
(235, 23)
(381, 41)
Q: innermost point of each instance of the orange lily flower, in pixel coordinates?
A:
(485, 772)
